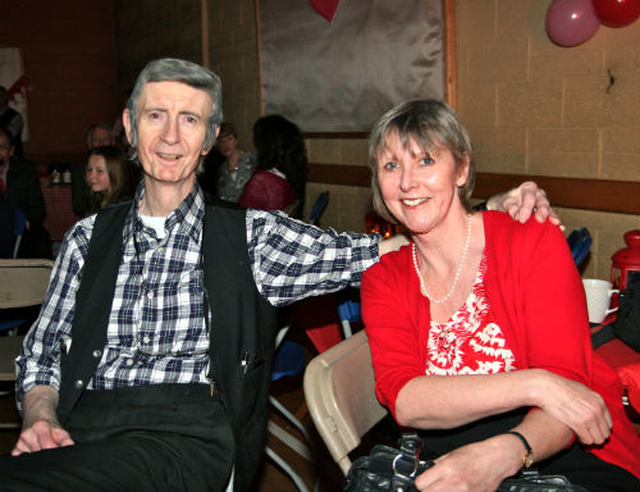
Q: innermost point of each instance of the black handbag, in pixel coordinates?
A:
(628, 317)
(388, 469)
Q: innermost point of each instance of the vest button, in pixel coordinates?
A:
(78, 384)
(97, 353)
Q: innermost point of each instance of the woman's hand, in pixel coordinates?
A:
(575, 405)
(476, 467)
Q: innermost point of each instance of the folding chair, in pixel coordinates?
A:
(339, 389)
(289, 360)
(18, 230)
(579, 243)
(349, 312)
(23, 283)
(318, 207)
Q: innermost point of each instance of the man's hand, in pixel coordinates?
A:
(40, 427)
(43, 434)
(524, 200)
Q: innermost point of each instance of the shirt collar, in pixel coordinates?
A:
(188, 215)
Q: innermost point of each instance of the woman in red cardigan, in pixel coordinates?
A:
(478, 329)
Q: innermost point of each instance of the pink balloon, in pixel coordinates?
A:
(617, 13)
(571, 22)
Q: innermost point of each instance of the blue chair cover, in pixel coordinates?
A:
(289, 360)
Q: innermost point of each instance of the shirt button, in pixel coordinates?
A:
(79, 384)
(146, 339)
(129, 362)
(97, 353)
(150, 294)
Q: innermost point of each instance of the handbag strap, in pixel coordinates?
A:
(405, 464)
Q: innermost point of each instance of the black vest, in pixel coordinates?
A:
(243, 323)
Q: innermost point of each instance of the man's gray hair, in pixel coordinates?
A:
(189, 73)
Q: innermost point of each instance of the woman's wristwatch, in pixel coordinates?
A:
(527, 459)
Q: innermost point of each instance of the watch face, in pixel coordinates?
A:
(527, 460)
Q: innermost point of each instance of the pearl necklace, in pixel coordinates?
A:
(465, 251)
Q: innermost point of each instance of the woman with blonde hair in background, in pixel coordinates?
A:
(110, 177)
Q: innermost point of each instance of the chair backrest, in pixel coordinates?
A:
(579, 243)
(23, 282)
(349, 311)
(19, 222)
(318, 207)
(339, 389)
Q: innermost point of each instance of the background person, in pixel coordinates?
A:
(281, 175)
(478, 328)
(98, 135)
(238, 165)
(110, 178)
(20, 187)
(12, 121)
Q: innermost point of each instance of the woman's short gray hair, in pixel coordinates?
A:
(432, 124)
(189, 73)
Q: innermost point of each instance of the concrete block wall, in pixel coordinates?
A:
(233, 54)
(347, 204)
(535, 108)
(148, 29)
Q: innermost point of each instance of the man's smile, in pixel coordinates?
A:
(170, 157)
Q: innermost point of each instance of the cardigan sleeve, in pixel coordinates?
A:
(537, 293)
(548, 322)
(391, 318)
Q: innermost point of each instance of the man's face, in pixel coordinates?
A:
(99, 138)
(172, 126)
(5, 149)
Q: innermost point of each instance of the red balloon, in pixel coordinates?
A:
(571, 22)
(617, 13)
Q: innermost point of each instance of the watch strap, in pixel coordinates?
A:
(527, 459)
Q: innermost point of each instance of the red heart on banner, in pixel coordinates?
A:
(326, 8)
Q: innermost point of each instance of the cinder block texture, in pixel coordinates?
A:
(574, 113)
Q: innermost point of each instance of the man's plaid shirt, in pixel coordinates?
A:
(156, 331)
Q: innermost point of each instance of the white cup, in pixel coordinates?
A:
(599, 294)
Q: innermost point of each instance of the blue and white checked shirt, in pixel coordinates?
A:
(156, 331)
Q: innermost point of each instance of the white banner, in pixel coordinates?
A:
(339, 76)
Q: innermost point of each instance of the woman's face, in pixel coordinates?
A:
(96, 173)
(417, 188)
(227, 144)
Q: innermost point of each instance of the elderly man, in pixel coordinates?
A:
(148, 368)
